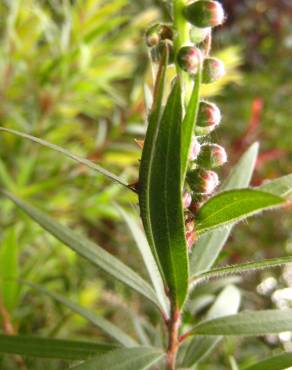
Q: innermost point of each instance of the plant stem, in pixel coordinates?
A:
(173, 338)
(182, 38)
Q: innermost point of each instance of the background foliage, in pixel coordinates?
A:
(72, 73)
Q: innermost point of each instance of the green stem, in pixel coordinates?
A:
(182, 28)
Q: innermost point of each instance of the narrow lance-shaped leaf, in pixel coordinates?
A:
(234, 206)
(140, 358)
(164, 194)
(199, 347)
(189, 123)
(88, 250)
(148, 152)
(242, 268)
(247, 324)
(279, 362)
(68, 154)
(281, 186)
(148, 258)
(51, 348)
(210, 244)
(107, 327)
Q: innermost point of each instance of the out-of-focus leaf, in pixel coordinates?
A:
(200, 347)
(51, 348)
(247, 324)
(140, 358)
(209, 245)
(279, 362)
(9, 269)
(107, 327)
(281, 186)
(68, 154)
(233, 206)
(88, 250)
(148, 258)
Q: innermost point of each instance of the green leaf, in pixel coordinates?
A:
(200, 347)
(209, 245)
(148, 258)
(233, 206)
(51, 348)
(189, 123)
(279, 362)
(107, 327)
(248, 267)
(281, 186)
(9, 269)
(148, 153)
(140, 358)
(161, 198)
(88, 250)
(68, 154)
(247, 324)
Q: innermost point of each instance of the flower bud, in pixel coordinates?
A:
(191, 238)
(203, 181)
(205, 13)
(157, 51)
(187, 199)
(209, 116)
(213, 70)
(211, 156)
(157, 33)
(195, 149)
(198, 35)
(189, 59)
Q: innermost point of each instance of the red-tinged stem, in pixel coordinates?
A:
(173, 338)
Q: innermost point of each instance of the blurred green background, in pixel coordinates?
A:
(73, 73)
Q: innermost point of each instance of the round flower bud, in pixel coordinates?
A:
(211, 156)
(209, 117)
(189, 59)
(203, 181)
(195, 149)
(198, 35)
(205, 13)
(157, 33)
(213, 70)
(187, 199)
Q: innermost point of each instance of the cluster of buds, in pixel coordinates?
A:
(204, 157)
(201, 179)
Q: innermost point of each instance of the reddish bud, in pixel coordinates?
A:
(195, 149)
(203, 181)
(213, 70)
(205, 13)
(189, 59)
(198, 35)
(209, 117)
(158, 32)
(211, 156)
(187, 199)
